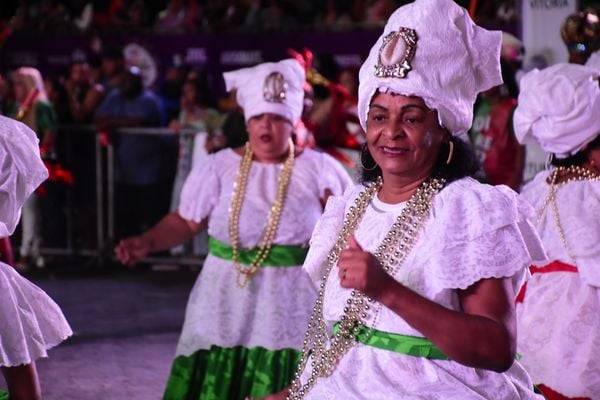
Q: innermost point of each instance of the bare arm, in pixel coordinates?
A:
(481, 335)
(168, 232)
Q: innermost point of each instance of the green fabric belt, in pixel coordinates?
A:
(409, 345)
(279, 256)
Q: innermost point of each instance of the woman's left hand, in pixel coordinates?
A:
(359, 269)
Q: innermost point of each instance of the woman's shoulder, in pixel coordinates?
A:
(472, 208)
(468, 192)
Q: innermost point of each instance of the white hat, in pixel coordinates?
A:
(433, 50)
(269, 88)
(559, 108)
(594, 61)
(21, 171)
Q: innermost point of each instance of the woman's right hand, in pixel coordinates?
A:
(175, 126)
(131, 250)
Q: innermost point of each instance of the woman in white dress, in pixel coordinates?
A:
(418, 267)
(243, 325)
(30, 322)
(558, 311)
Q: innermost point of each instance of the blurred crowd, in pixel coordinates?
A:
(107, 94)
(178, 16)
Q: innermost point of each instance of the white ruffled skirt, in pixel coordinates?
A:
(30, 321)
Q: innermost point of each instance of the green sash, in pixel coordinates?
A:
(279, 256)
(409, 345)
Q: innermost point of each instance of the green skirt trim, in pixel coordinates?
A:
(3, 395)
(231, 373)
(279, 255)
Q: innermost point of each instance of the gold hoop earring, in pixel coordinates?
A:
(362, 163)
(450, 152)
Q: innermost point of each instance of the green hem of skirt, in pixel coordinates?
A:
(231, 373)
(3, 395)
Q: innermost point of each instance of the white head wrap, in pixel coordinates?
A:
(21, 171)
(559, 108)
(594, 61)
(454, 60)
(269, 88)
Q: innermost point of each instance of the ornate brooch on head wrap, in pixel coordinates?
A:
(274, 88)
(396, 53)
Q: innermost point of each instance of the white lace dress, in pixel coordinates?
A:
(30, 321)
(272, 310)
(559, 319)
(474, 232)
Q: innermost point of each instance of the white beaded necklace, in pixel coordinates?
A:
(577, 174)
(239, 188)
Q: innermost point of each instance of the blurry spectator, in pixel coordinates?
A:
(380, 10)
(205, 121)
(37, 113)
(143, 170)
(52, 16)
(170, 89)
(113, 68)
(234, 125)
(492, 136)
(83, 92)
(7, 96)
(57, 96)
(195, 114)
(179, 16)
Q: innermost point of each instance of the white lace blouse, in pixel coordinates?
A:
(474, 232)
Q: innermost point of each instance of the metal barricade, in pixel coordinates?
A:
(104, 166)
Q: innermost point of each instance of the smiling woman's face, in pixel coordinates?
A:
(403, 135)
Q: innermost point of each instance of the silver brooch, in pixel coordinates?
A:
(396, 54)
(274, 88)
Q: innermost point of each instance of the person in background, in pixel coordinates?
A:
(143, 162)
(113, 68)
(84, 94)
(558, 311)
(502, 158)
(205, 121)
(30, 322)
(34, 109)
(260, 203)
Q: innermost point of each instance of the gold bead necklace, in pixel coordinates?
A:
(576, 173)
(244, 273)
(326, 350)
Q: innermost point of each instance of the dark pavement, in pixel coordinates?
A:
(126, 325)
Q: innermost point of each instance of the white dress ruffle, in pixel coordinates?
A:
(474, 232)
(559, 319)
(272, 310)
(30, 321)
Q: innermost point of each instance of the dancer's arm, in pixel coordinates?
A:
(168, 232)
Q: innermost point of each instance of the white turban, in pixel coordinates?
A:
(454, 60)
(21, 171)
(269, 88)
(559, 108)
(594, 61)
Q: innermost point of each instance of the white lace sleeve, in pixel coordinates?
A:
(325, 234)
(478, 232)
(21, 173)
(332, 176)
(200, 191)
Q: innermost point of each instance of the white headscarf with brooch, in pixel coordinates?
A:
(433, 50)
(559, 108)
(21, 171)
(269, 88)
